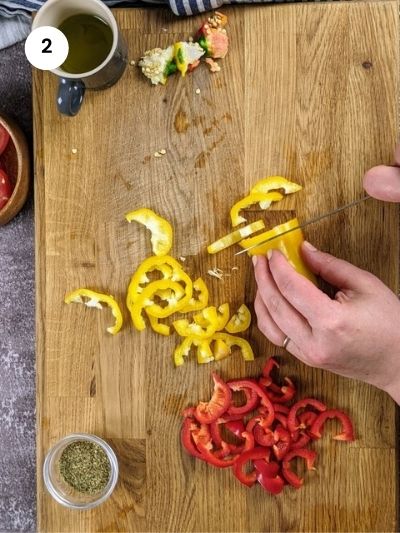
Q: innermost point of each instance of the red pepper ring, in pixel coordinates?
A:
(186, 437)
(250, 478)
(292, 416)
(251, 402)
(263, 436)
(267, 476)
(279, 408)
(268, 367)
(207, 412)
(282, 443)
(347, 433)
(292, 478)
(241, 384)
(301, 441)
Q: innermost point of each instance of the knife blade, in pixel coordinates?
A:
(311, 221)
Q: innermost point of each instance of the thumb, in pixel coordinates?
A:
(383, 183)
(337, 272)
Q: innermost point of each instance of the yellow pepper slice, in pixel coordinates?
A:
(196, 304)
(231, 340)
(167, 265)
(240, 321)
(220, 349)
(222, 317)
(182, 350)
(264, 200)
(145, 300)
(272, 183)
(94, 299)
(204, 352)
(157, 326)
(235, 236)
(186, 329)
(289, 244)
(161, 229)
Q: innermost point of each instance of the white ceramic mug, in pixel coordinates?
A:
(72, 86)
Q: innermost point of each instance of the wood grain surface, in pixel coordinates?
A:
(307, 91)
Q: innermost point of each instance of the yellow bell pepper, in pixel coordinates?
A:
(231, 340)
(264, 201)
(186, 329)
(157, 326)
(182, 350)
(169, 268)
(204, 352)
(240, 321)
(161, 229)
(272, 183)
(94, 299)
(146, 300)
(235, 236)
(289, 244)
(201, 301)
(221, 320)
(220, 349)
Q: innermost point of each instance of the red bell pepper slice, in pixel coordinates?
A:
(293, 423)
(241, 384)
(279, 408)
(288, 474)
(287, 392)
(263, 436)
(282, 419)
(249, 478)
(302, 440)
(251, 403)
(236, 427)
(307, 419)
(348, 431)
(186, 437)
(283, 442)
(267, 476)
(211, 458)
(207, 412)
(269, 366)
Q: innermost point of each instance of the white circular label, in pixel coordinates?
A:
(46, 48)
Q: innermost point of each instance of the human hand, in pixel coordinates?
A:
(356, 335)
(383, 182)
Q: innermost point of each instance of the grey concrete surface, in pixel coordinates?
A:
(17, 367)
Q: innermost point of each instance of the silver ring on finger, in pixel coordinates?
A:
(286, 342)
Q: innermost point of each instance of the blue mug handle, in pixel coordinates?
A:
(70, 96)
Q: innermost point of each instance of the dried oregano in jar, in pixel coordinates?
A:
(85, 466)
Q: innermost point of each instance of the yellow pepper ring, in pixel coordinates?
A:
(94, 300)
(181, 298)
(240, 321)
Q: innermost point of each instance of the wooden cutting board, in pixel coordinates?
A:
(307, 91)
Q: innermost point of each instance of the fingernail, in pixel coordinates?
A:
(269, 254)
(254, 259)
(309, 246)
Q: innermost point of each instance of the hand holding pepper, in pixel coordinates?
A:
(357, 333)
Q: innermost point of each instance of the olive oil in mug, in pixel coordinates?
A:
(90, 40)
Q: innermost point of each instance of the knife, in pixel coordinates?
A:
(312, 221)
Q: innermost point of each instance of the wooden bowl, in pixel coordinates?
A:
(16, 162)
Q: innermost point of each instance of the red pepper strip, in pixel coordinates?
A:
(238, 467)
(236, 427)
(207, 412)
(268, 367)
(265, 382)
(279, 408)
(269, 469)
(292, 419)
(272, 484)
(347, 433)
(215, 434)
(212, 459)
(282, 419)
(288, 392)
(241, 384)
(250, 405)
(229, 418)
(186, 437)
(263, 437)
(288, 474)
(188, 412)
(283, 442)
(307, 419)
(301, 442)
